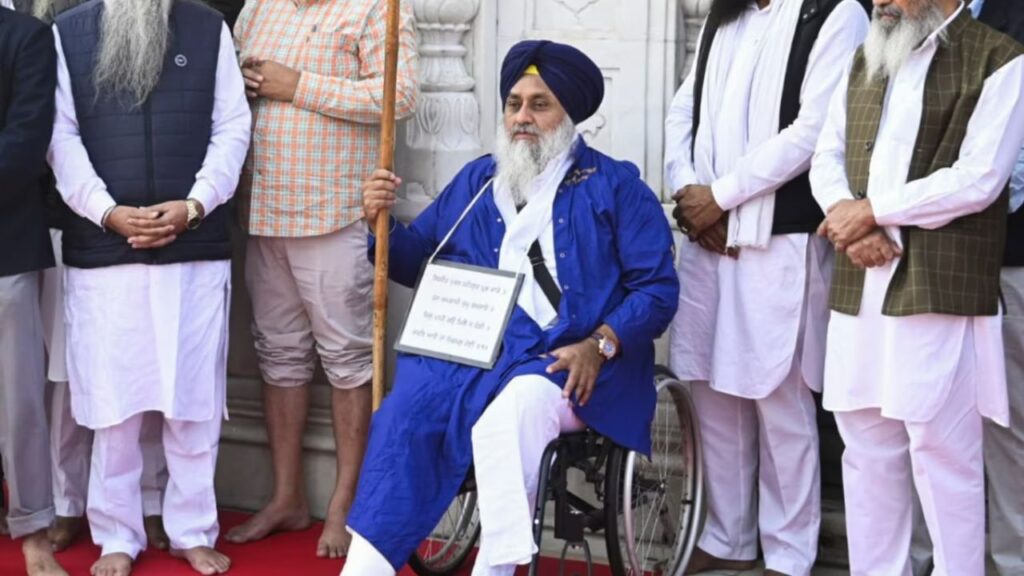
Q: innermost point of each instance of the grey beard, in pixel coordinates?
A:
(519, 162)
(888, 46)
(134, 35)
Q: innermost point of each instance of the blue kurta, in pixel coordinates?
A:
(615, 265)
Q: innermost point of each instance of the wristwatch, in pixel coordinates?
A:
(605, 345)
(194, 216)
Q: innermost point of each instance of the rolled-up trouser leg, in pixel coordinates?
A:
(24, 437)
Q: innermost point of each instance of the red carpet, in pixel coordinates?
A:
(286, 554)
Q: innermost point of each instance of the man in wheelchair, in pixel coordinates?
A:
(595, 250)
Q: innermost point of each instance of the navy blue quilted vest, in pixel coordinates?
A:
(151, 153)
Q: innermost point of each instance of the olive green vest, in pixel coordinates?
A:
(953, 269)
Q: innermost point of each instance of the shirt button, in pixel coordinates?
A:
(561, 255)
(561, 220)
(565, 287)
(499, 219)
(869, 145)
(495, 250)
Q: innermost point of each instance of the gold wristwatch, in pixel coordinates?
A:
(195, 216)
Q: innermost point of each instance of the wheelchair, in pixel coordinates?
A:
(650, 510)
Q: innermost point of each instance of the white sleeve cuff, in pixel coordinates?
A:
(727, 193)
(97, 205)
(205, 195)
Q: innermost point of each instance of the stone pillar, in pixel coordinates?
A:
(694, 12)
(445, 132)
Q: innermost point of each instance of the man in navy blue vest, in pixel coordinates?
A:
(151, 132)
(26, 110)
(70, 443)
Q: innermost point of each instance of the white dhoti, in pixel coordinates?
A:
(525, 417)
(149, 339)
(70, 443)
(754, 362)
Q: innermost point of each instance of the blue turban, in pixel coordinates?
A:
(573, 77)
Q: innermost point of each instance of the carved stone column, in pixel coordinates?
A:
(445, 132)
(694, 12)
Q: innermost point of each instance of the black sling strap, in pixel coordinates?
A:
(541, 273)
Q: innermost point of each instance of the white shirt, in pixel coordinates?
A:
(906, 365)
(86, 194)
(149, 338)
(7, 4)
(730, 330)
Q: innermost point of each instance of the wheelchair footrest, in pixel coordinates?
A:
(586, 557)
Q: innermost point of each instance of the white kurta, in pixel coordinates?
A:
(905, 366)
(149, 338)
(739, 320)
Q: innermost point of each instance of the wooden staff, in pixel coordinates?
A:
(382, 227)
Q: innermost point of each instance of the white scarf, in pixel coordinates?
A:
(750, 224)
(522, 229)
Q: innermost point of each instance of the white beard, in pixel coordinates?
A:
(888, 45)
(134, 35)
(520, 161)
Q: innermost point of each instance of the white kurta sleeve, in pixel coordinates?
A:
(787, 155)
(83, 190)
(229, 141)
(829, 183)
(679, 171)
(989, 151)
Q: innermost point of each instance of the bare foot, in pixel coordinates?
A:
(701, 561)
(204, 560)
(39, 560)
(155, 535)
(273, 518)
(116, 564)
(334, 540)
(64, 532)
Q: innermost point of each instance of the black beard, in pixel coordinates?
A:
(725, 11)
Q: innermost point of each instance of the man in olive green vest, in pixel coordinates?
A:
(912, 169)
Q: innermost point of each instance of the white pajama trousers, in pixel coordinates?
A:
(525, 417)
(115, 504)
(942, 458)
(70, 452)
(763, 475)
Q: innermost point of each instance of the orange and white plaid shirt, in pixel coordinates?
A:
(309, 157)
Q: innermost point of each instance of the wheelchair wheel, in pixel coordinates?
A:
(446, 549)
(655, 506)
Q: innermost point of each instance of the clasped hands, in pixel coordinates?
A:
(850, 226)
(149, 227)
(702, 220)
(269, 79)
